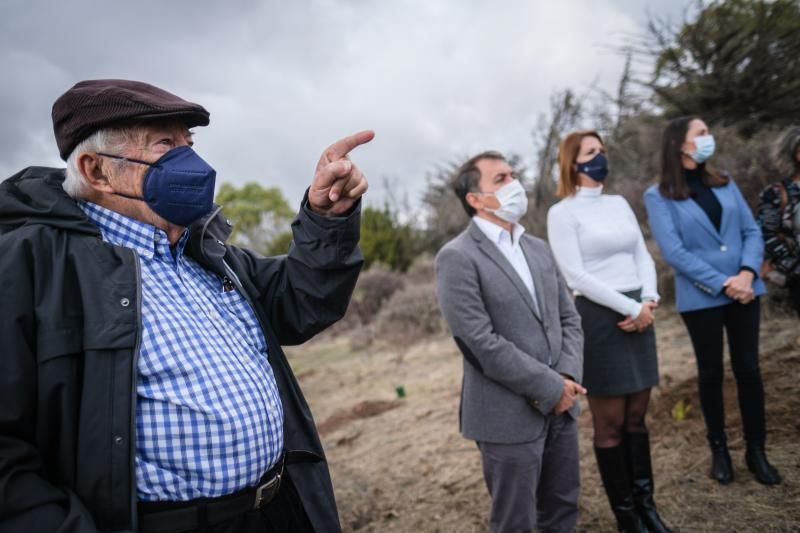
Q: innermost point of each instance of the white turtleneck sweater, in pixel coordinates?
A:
(600, 250)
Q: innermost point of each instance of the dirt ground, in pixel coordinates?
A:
(399, 463)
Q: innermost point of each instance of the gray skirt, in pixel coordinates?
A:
(615, 362)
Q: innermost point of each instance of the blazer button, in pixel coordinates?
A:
(124, 302)
(723, 248)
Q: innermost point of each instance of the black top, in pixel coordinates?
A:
(703, 195)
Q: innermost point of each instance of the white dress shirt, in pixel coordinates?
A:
(599, 248)
(508, 244)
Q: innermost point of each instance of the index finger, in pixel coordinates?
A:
(344, 146)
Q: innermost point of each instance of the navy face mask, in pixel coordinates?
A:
(596, 168)
(179, 187)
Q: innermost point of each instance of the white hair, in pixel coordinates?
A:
(110, 140)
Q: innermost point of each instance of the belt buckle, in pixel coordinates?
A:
(266, 492)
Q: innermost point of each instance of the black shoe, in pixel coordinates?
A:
(642, 481)
(757, 462)
(721, 467)
(615, 473)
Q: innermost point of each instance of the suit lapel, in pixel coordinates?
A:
(725, 201)
(536, 274)
(496, 256)
(691, 208)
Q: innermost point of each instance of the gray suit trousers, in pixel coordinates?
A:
(535, 484)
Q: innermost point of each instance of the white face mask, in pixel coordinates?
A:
(513, 202)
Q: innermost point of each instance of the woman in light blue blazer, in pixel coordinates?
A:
(707, 233)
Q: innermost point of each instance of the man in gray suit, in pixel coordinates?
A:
(512, 317)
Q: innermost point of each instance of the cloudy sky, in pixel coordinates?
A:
(436, 80)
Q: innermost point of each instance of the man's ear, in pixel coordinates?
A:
(89, 166)
(474, 200)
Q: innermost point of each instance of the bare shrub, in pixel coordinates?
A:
(421, 270)
(410, 315)
(373, 289)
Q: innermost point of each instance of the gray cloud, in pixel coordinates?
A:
(436, 80)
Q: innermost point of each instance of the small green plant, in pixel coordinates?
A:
(680, 410)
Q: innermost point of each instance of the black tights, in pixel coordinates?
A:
(613, 416)
(741, 322)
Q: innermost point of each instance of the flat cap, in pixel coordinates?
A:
(95, 104)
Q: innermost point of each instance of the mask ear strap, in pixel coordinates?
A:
(140, 198)
(120, 158)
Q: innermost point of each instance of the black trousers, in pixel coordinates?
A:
(284, 514)
(741, 322)
(794, 293)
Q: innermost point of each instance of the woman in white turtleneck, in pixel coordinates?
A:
(599, 248)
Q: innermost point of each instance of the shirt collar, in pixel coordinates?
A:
(146, 239)
(495, 233)
(589, 192)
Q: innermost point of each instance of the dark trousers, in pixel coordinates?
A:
(741, 322)
(284, 514)
(794, 293)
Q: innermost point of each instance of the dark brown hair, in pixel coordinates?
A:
(468, 175)
(672, 183)
(567, 154)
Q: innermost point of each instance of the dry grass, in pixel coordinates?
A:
(401, 465)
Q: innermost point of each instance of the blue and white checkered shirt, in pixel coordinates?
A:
(209, 419)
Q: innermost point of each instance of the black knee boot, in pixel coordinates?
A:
(757, 462)
(615, 473)
(642, 481)
(721, 467)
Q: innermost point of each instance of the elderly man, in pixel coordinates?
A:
(513, 319)
(142, 382)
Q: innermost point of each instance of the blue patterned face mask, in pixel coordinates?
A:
(179, 187)
(704, 148)
(596, 168)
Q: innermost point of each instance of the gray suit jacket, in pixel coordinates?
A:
(513, 356)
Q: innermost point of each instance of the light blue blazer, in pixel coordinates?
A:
(703, 258)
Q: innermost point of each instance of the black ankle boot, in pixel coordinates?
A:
(757, 462)
(615, 473)
(642, 481)
(721, 467)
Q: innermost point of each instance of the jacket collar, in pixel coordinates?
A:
(207, 237)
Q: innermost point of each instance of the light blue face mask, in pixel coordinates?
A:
(704, 148)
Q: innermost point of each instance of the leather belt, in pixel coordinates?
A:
(173, 517)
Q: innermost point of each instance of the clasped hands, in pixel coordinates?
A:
(641, 322)
(740, 287)
(568, 396)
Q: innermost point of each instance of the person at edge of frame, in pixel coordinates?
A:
(142, 383)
